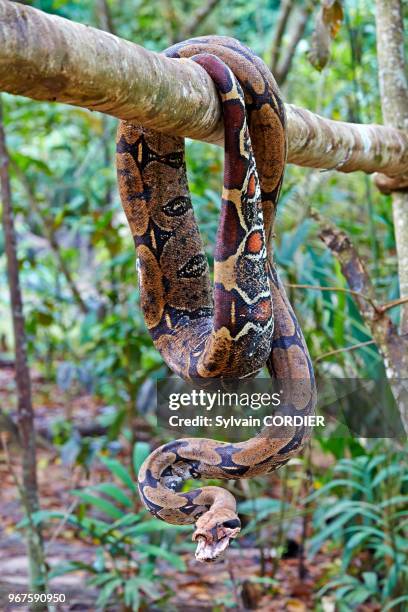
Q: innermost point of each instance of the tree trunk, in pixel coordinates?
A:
(46, 57)
(394, 102)
(29, 492)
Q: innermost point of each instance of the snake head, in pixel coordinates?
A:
(213, 533)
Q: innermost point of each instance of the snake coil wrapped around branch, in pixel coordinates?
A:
(246, 321)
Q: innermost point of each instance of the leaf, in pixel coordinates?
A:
(100, 579)
(141, 450)
(24, 162)
(146, 585)
(47, 515)
(114, 492)
(359, 507)
(104, 505)
(358, 596)
(350, 548)
(99, 563)
(120, 471)
(350, 581)
(327, 24)
(262, 504)
(395, 602)
(375, 461)
(93, 526)
(328, 531)
(156, 551)
(396, 500)
(367, 529)
(332, 14)
(72, 566)
(107, 591)
(152, 526)
(391, 581)
(387, 472)
(71, 449)
(131, 594)
(371, 580)
(125, 521)
(336, 483)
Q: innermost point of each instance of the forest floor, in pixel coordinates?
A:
(199, 588)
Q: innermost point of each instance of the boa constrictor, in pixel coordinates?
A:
(247, 321)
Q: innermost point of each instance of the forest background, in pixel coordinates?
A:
(330, 529)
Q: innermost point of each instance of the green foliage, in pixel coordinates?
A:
(364, 508)
(64, 158)
(129, 546)
(75, 449)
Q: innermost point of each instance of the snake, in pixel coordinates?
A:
(230, 327)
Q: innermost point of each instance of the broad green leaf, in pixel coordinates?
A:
(395, 602)
(262, 504)
(114, 492)
(341, 482)
(156, 551)
(359, 595)
(371, 580)
(107, 591)
(386, 473)
(72, 566)
(141, 450)
(100, 580)
(131, 594)
(102, 504)
(119, 471)
(330, 530)
(152, 526)
(46, 515)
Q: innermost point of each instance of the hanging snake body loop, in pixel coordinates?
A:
(242, 324)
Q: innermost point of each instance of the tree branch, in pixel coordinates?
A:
(394, 102)
(104, 16)
(331, 289)
(46, 57)
(344, 349)
(283, 67)
(197, 19)
(352, 266)
(393, 304)
(281, 23)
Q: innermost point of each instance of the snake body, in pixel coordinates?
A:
(246, 321)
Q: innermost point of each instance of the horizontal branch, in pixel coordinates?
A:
(45, 57)
(344, 349)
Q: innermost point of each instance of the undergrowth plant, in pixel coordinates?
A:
(128, 545)
(364, 509)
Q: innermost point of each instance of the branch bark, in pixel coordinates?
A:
(281, 23)
(26, 429)
(394, 102)
(49, 58)
(392, 346)
(284, 64)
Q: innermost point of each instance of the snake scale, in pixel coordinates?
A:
(241, 324)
